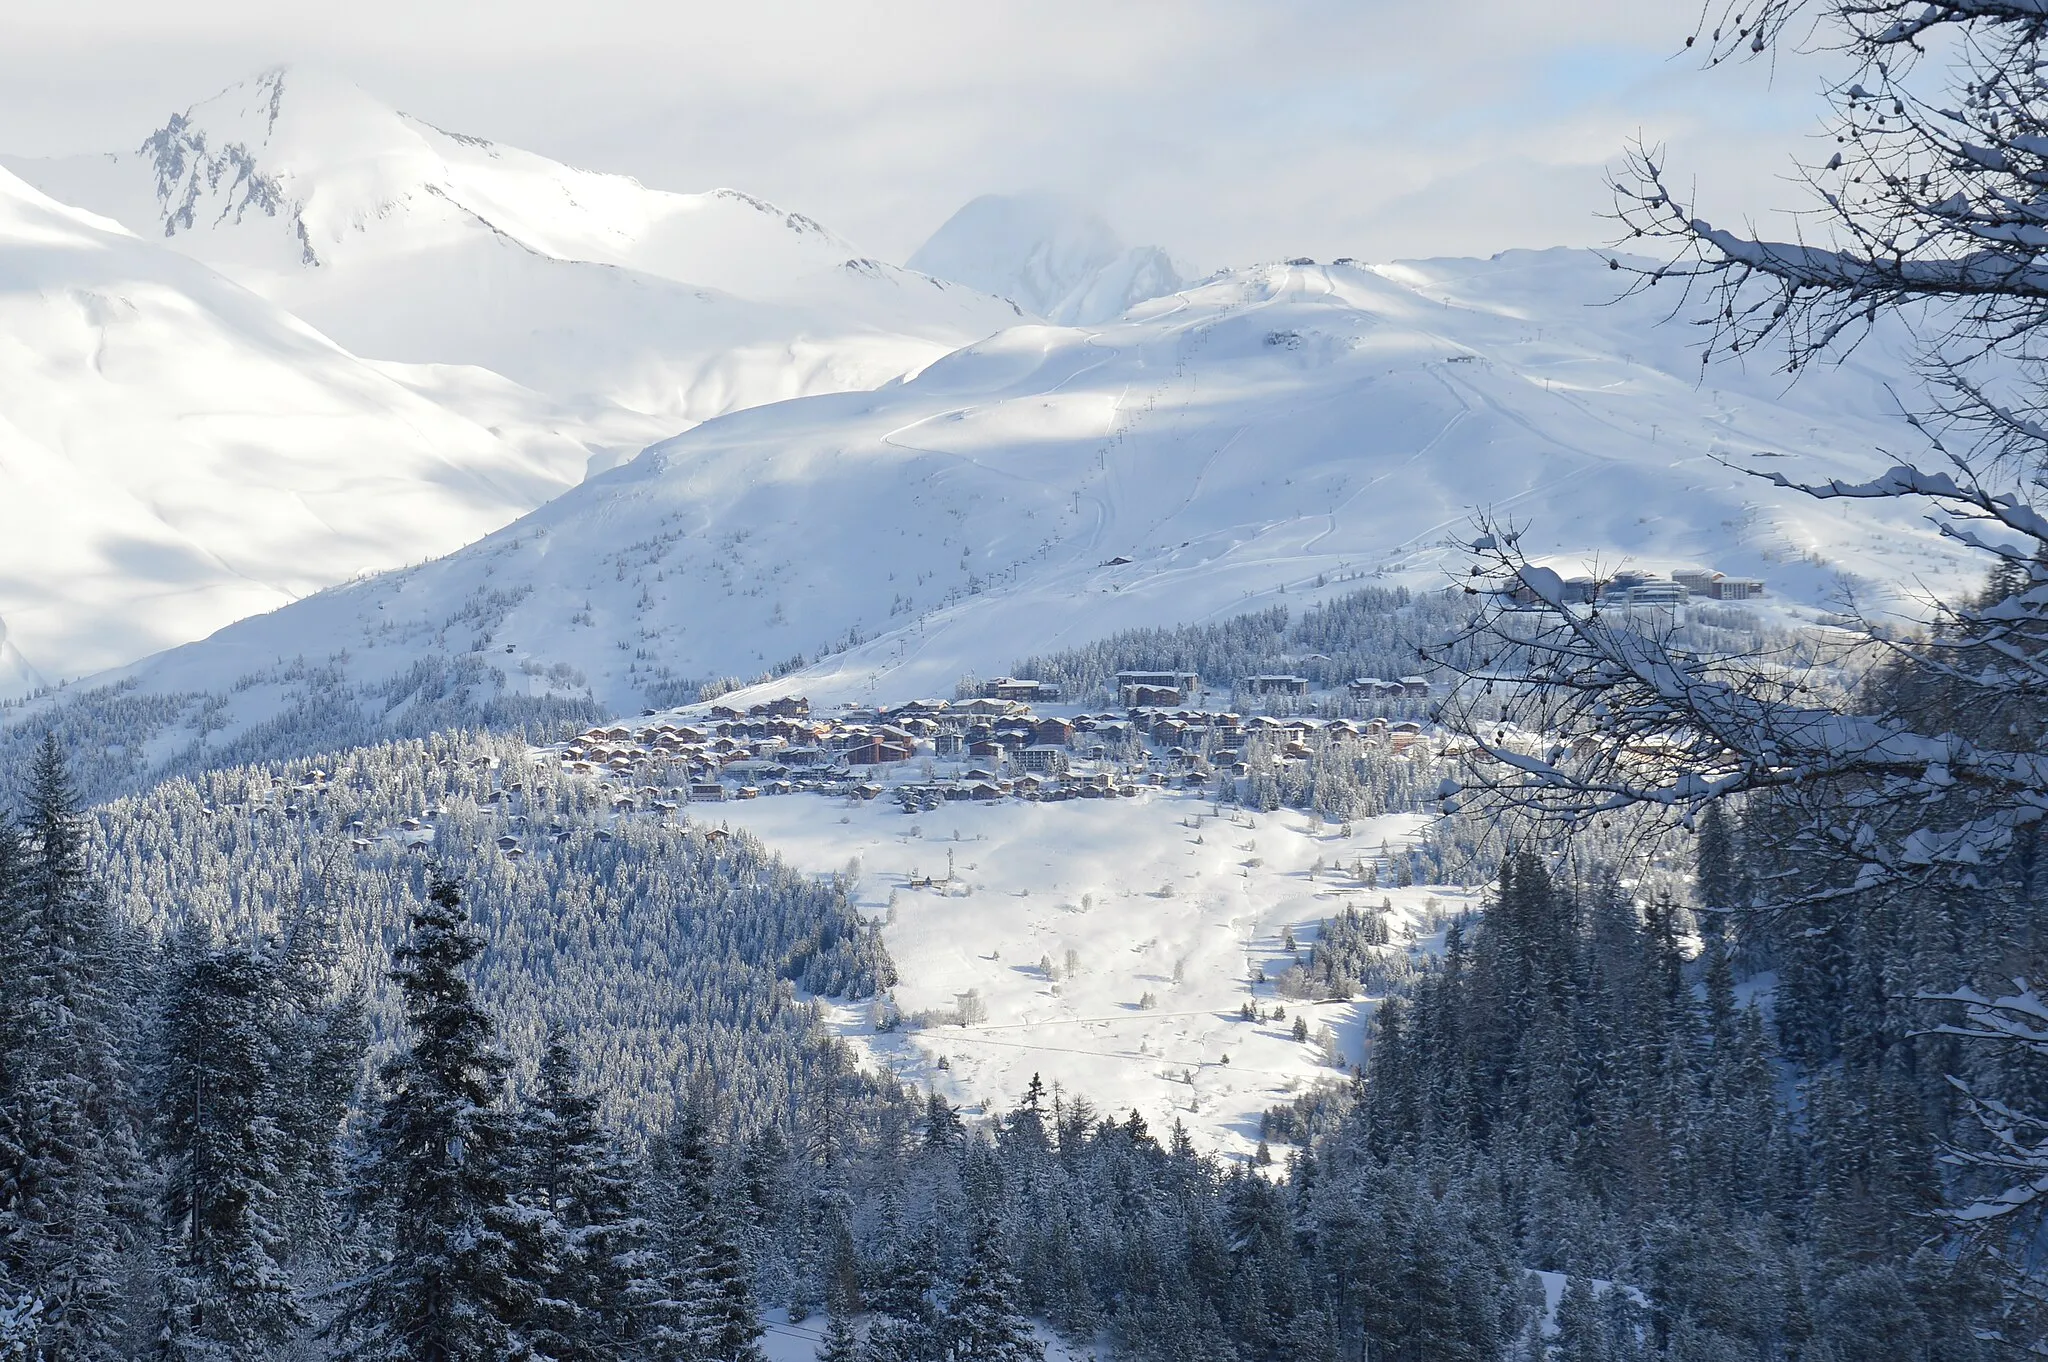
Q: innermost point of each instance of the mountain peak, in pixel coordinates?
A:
(1049, 254)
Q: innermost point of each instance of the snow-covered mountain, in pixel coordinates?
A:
(1270, 435)
(177, 453)
(1048, 255)
(408, 243)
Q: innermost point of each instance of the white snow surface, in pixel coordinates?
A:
(1271, 435)
(177, 453)
(1141, 890)
(409, 243)
(1049, 256)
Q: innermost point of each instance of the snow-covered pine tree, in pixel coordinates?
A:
(709, 1306)
(985, 1319)
(462, 1262)
(319, 1042)
(907, 1326)
(840, 1343)
(68, 1113)
(573, 1171)
(228, 1292)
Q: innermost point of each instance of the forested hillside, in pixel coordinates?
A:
(311, 1050)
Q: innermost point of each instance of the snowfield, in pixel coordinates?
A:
(177, 453)
(1160, 895)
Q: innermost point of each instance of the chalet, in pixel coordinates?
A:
(875, 750)
(1372, 688)
(786, 707)
(1415, 686)
(1053, 732)
(1144, 697)
(949, 745)
(701, 790)
(1275, 685)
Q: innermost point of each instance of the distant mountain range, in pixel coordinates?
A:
(1062, 437)
(1272, 435)
(190, 433)
(405, 242)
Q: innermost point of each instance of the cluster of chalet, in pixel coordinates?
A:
(1634, 588)
(931, 752)
(1169, 689)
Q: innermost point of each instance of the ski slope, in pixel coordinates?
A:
(1158, 896)
(408, 243)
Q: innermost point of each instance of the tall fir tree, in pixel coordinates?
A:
(462, 1265)
(68, 1115)
(573, 1172)
(228, 1291)
(709, 1311)
(985, 1319)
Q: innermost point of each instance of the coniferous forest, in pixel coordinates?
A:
(274, 1087)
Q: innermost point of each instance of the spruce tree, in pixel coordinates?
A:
(985, 1319)
(574, 1174)
(1581, 1325)
(229, 1291)
(68, 1132)
(319, 1041)
(907, 1327)
(840, 1343)
(708, 1314)
(458, 1280)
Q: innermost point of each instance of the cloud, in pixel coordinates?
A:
(1227, 132)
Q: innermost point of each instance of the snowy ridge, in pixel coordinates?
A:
(1059, 261)
(178, 453)
(1257, 439)
(409, 243)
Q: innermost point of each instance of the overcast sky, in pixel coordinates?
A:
(1227, 132)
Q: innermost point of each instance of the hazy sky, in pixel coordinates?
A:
(1228, 132)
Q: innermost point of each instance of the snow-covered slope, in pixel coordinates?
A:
(1156, 897)
(1263, 437)
(176, 453)
(1048, 255)
(408, 243)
